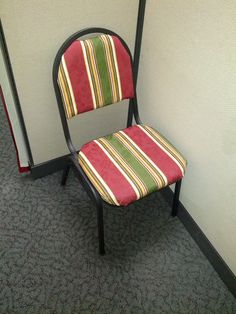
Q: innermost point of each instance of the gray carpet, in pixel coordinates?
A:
(49, 260)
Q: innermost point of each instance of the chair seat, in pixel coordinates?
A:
(130, 164)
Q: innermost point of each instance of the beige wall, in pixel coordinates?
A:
(187, 90)
(34, 31)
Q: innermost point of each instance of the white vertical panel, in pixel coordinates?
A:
(12, 112)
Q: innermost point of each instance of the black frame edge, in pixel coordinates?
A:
(138, 38)
(48, 167)
(12, 82)
(137, 51)
(203, 243)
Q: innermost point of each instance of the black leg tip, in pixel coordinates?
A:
(102, 252)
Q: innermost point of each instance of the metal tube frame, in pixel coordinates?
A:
(137, 49)
(175, 204)
(73, 158)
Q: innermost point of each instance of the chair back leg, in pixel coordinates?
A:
(100, 229)
(175, 204)
(65, 175)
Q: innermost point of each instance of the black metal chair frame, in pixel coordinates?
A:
(73, 157)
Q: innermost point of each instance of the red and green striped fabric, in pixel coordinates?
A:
(130, 164)
(94, 73)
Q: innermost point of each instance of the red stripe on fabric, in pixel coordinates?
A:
(125, 69)
(20, 168)
(118, 184)
(78, 76)
(24, 169)
(155, 153)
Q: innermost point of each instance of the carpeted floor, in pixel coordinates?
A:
(49, 260)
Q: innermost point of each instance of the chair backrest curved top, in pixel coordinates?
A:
(94, 72)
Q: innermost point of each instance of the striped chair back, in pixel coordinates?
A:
(94, 73)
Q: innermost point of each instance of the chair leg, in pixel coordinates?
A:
(176, 198)
(100, 229)
(65, 175)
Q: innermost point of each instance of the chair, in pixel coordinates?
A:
(127, 165)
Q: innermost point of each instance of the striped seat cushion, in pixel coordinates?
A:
(130, 164)
(94, 73)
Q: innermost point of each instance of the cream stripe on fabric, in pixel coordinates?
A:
(145, 157)
(116, 65)
(166, 151)
(65, 92)
(95, 181)
(100, 178)
(120, 169)
(69, 85)
(64, 95)
(89, 74)
(166, 143)
(177, 155)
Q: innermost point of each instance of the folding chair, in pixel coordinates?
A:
(125, 166)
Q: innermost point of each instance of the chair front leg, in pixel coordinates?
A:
(175, 204)
(100, 229)
(65, 175)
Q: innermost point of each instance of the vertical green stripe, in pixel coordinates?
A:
(128, 144)
(67, 91)
(100, 55)
(134, 163)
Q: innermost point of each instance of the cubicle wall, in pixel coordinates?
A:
(187, 81)
(34, 31)
(7, 100)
